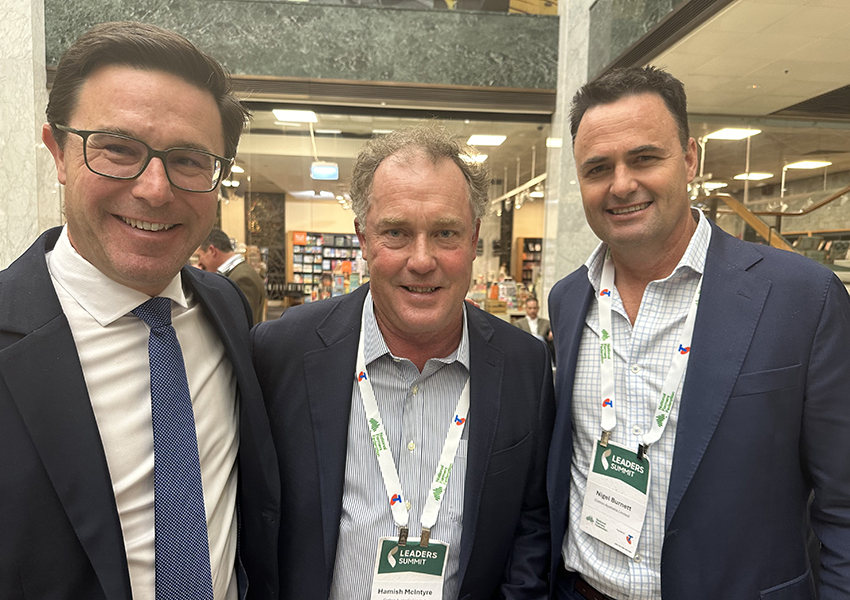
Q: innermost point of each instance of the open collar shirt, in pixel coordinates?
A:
(417, 409)
(642, 359)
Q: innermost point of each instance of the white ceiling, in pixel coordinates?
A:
(759, 56)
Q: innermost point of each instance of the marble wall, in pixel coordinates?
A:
(30, 201)
(303, 40)
(617, 24)
(568, 240)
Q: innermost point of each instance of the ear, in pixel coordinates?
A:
(691, 159)
(360, 236)
(55, 149)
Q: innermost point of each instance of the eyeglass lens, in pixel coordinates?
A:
(115, 156)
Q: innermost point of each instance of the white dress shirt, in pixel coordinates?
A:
(417, 409)
(532, 325)
(112, 345)
(642, 358)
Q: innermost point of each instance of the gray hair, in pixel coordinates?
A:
(426, 139)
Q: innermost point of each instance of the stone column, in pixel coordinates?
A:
(30, 198)
(568, 240)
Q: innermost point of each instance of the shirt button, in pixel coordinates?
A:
(637, 431)
(638, 558)
(415, 390)
(635, 369)
(411, 446)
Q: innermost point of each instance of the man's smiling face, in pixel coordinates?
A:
(142, 231)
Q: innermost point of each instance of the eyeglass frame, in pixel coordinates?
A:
(226, 163)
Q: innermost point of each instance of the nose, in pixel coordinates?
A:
(153, 185)
(421, 259)
(624, 182)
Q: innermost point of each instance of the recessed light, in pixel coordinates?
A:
(486, 140)
(329, 131)
(731, 133)
(714, 185)
(753, 176)
(554, 142)
(809, 164)
(381, 131)
(298, 116)
(237, 169)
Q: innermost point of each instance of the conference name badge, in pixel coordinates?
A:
(409, 572)
(615, 500)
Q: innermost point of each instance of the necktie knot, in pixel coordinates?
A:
(156, 312)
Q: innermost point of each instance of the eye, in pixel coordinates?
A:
(445, 233)
(595, 170)
(394, 232)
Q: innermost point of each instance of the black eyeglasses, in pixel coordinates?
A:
(120, 157)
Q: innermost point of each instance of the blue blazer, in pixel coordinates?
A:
(60, 536)
(764, 419)
(305, 362)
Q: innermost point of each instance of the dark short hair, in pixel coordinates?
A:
(426, 139)
(150, 48)
(632, 81)
(532, 299)
(218, 239)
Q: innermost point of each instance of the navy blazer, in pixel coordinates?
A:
(60, 536)
(764, 419)
(305, 362)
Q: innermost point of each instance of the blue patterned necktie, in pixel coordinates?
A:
(182, 546)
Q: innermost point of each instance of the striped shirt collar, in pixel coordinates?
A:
(693, 259)
(375, 346)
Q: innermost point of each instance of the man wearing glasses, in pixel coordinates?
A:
(130, 416)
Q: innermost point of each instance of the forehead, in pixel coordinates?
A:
(405, 182)
(633, 120)
(157, 107)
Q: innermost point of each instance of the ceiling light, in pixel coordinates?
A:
(537, 194)
(329, 131)
(486, 140)
(713, 185)
(324, 170)
(554, 142)
(234, 183)
(287, 124)
(226, 182)
(237, 169)
(477, 158)
(753, 176)
(731, 133)
(381, 131)
(809, 164)
(298, 116)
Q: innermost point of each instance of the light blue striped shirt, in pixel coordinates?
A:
(642, 358)
(417, 409)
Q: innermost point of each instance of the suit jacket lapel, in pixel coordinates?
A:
(485, 393)
(730, 306)
(43, 374)
(329, 395)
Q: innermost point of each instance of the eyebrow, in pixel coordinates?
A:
(595, 160)
(440, 222)
(130, 134)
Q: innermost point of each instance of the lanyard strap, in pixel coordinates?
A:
(606, 348)
(389, 472)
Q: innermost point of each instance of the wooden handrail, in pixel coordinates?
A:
(752, 219)
(799, 213)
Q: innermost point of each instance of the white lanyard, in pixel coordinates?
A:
(385, 459)
(606, 349)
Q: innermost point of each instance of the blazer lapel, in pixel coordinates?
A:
(485, 392)
(730, 306)
(329, 396)
(43, 374)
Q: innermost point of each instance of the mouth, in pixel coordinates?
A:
(145, 225)
(420, 290)
(629, 209)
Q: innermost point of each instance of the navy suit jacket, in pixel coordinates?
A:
(764, 419)
(306, 362)
(60, 536)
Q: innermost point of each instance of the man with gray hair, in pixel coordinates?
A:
(411, 427)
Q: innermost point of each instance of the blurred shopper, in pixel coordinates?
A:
(400, 410)
(536, 326)
(703, 382)
(216, 254)
(125, 382)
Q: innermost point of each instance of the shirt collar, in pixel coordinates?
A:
(104, 299)
(693, 259)
(375, 346)
(230, 263)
